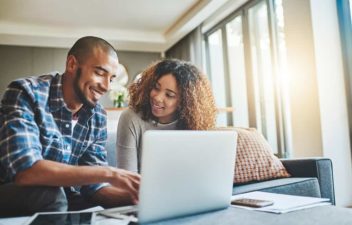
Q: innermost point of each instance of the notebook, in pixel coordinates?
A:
(184, 173)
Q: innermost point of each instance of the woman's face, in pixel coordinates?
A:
(165, 98)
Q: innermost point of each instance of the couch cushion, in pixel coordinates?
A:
(302, 186)
(254, 158)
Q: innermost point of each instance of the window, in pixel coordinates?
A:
(237, 71)
(262, 72)
(247, 52)
(217, 70)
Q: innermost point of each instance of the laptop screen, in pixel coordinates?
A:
(185, 172)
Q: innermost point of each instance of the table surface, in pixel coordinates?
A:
(321, 215)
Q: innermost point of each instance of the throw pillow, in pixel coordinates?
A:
(254, 158)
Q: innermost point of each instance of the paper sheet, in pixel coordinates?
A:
(282, 203)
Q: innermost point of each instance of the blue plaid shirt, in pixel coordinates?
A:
(36, 124)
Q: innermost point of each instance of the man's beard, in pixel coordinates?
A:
(79, 93)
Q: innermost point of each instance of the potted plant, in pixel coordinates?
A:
(118, 95)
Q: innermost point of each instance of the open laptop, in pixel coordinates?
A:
(184, 173)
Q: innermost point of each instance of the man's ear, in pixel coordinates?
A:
(71, 64)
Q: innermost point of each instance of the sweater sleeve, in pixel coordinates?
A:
(127, 142)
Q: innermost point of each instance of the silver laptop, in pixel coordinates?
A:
(185, 172)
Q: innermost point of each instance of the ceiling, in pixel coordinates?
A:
(134, 25)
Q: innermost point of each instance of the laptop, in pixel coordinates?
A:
(184, 173)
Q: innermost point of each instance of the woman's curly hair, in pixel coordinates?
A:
(197, 109)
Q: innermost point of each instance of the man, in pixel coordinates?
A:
(52, 137)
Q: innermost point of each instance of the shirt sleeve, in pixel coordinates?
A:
(127, 142)
(95, 155)
(19, 134)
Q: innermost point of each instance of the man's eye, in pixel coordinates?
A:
(112, 78)
(99, 73)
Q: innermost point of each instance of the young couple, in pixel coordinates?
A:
(53, 131)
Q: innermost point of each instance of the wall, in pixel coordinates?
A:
(332, 96)
(305, 112)
(17, 62)
(317, 92)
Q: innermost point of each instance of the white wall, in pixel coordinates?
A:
(303, 89)
(332, 96)
(317, 89)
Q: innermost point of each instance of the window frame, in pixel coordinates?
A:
(282, 150)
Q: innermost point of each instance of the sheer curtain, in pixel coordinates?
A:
(188, 48)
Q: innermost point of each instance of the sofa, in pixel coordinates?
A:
(311, 177)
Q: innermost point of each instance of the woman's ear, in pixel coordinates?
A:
(179, 106)
(180, 100)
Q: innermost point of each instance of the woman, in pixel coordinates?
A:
(171, 94)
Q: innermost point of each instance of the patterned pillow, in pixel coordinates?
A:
(254, 158)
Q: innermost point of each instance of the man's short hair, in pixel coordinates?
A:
(85, 45)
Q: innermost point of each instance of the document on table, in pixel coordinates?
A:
(102, 220)
(282, 203)
(110, 221)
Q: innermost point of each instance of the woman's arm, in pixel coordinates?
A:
(127, 141)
